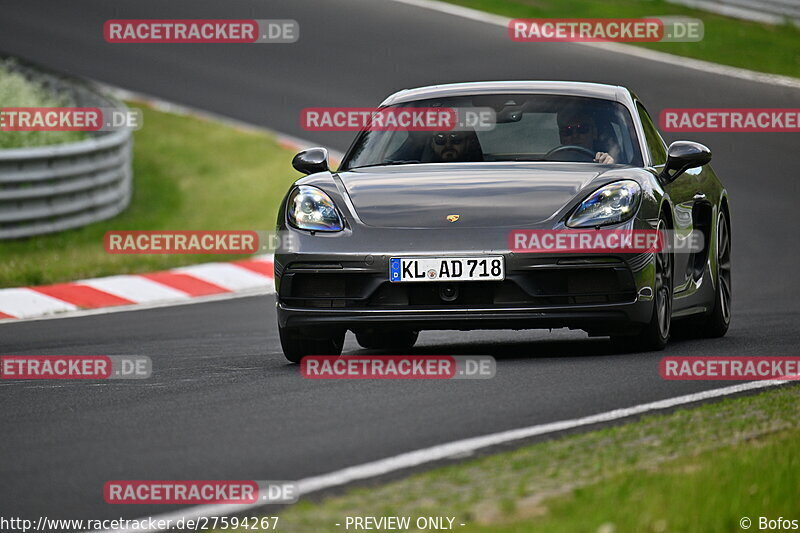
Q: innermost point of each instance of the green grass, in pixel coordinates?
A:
(708, 493)
(18, 91)
(188, 174)
(694, 470)
(729, 41)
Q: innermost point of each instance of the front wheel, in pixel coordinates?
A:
(655, 334)
(297, 343)
(715, 324)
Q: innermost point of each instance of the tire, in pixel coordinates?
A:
(716, 323)
(655, 335)
(376, 339)
(296, 343)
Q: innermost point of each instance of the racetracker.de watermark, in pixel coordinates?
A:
(198, 242)
(590, 30)
(69, 119)
(196, 492)
(398, 367)
(730, 368)
(397, 119)
(201, 31)
(75, 367)
(731, 119)
(623, 241)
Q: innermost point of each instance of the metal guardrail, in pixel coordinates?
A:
(789, 9)
(52, 188)
(768, 11)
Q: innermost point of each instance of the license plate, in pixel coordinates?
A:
(482, 268)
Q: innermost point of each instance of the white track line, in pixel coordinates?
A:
(467, 446)
(619, 48)
(456, 449)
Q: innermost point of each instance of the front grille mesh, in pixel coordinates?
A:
(562, 286)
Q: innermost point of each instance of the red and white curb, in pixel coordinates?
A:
(175, 286)
(202, 282)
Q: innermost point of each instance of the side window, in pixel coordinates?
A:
(657, 151)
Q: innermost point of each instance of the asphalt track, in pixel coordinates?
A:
(222, 403)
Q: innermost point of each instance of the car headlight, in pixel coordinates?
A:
(309, 208)
(610, 204)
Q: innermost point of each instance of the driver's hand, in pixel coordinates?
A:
(602, 157)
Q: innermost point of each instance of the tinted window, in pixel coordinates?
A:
(528, 128)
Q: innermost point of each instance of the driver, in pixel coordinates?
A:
(455, 147)
(580, 129)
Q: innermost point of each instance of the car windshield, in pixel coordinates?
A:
(523, 128)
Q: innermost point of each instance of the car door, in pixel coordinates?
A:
(682, 193)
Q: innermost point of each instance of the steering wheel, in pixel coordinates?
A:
(571, 148)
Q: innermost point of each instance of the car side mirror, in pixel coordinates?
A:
(311, 161)
(683, 155)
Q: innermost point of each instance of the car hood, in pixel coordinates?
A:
(482, 195)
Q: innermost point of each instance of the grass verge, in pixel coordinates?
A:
(189, 174)
(728, 41)
(694, 470)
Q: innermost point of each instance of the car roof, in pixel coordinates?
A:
(567, 88)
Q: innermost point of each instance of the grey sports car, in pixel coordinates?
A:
(412, 232)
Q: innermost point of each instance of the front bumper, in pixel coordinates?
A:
(597, 320)
(599, 294)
